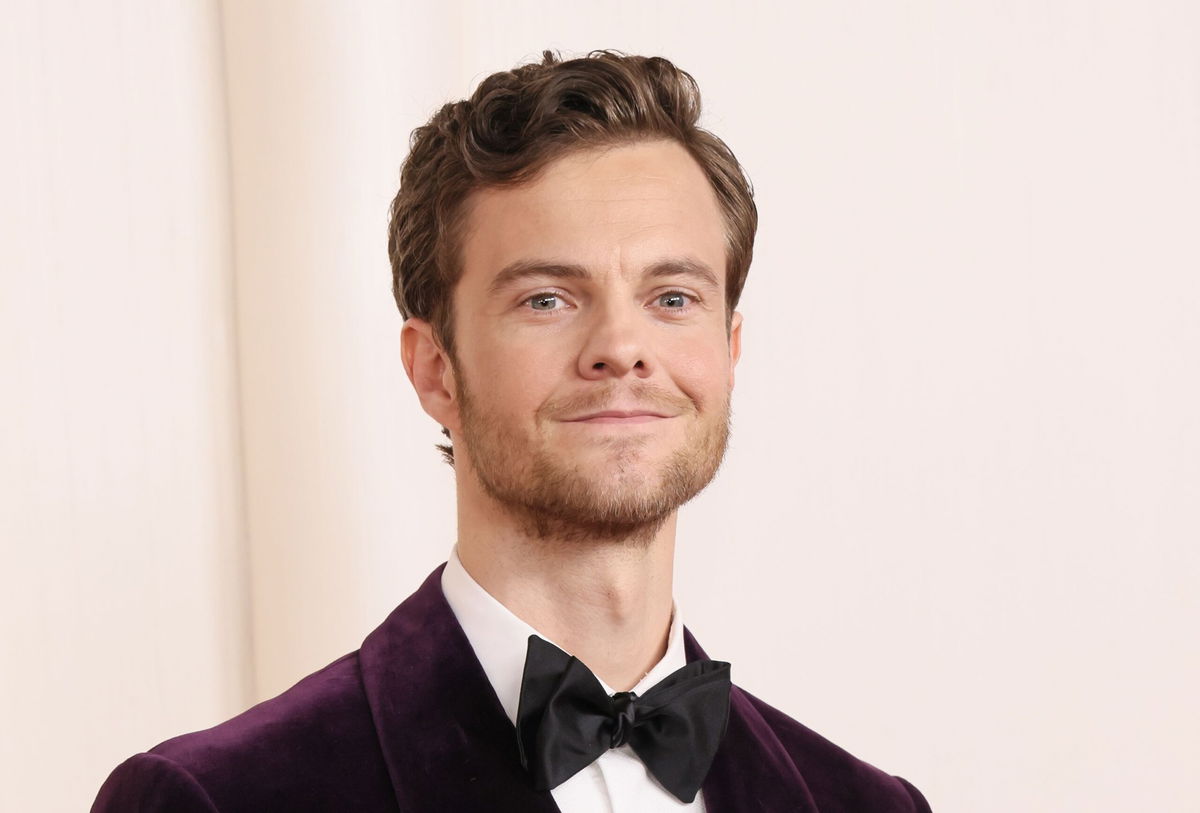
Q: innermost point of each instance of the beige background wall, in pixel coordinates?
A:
(124, 590)
(957, 529)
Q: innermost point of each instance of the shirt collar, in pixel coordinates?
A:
(500, 639)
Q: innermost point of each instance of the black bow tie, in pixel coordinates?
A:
(566, 720)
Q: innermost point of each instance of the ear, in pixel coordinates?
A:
(735, 343)
(430, 371)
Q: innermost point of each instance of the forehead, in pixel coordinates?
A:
(617, 209)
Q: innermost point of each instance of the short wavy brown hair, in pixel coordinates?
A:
(516, 123)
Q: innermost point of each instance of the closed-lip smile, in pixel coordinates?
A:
(619, 416)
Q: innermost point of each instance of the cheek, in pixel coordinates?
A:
(701, 371)
(512, 381)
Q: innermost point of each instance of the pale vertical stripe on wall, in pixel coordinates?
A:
(322, 97)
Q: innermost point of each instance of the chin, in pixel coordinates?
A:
(635, 470)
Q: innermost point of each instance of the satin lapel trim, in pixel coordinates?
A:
(752, 770)
(445, 737)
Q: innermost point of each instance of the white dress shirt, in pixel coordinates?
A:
(617, 782)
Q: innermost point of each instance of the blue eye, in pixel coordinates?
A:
(674, 300)
(542, 302)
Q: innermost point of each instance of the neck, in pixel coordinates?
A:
(608, 602)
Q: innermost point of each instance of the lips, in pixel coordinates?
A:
(618, 414)
(615, 415)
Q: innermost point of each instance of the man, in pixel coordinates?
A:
(568, 249)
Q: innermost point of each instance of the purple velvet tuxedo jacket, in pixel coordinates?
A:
(409, 722)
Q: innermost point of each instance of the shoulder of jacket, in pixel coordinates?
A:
(838, 780)
(309, 708)
(152, 784)
(305, 743)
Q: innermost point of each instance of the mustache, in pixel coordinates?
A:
(643, 396)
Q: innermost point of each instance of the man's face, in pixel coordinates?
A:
(593, 368)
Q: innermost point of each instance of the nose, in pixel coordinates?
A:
(617, 343)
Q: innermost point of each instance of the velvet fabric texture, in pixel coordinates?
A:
(409, 722)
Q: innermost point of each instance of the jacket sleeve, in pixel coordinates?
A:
(920, 805)
(148, 783)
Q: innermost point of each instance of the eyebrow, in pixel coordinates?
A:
(520, 270)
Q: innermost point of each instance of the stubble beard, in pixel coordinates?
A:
(552, 499)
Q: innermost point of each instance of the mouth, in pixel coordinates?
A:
(614, 416)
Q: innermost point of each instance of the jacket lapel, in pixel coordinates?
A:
(752, 770)
(445, 737)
